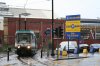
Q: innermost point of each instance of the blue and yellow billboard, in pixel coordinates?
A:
(72, 26)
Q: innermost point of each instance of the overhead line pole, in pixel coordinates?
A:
(19, 20)
(52, 53)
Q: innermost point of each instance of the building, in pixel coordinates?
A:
(39, 26)
(6, 11)
(90, 32)
(38, 20)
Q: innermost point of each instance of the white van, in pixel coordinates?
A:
(72, 45)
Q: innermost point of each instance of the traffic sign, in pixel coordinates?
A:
(72, 35)
(72, 17)
(47, 32)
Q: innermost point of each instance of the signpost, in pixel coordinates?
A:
(72, 28)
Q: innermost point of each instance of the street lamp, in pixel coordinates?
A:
(19, 20)
(24, 14)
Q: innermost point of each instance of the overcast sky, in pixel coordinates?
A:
(86, 8)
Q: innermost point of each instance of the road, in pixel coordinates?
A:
(91, 60)
(87, 59)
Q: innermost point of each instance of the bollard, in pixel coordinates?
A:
(41, 53)
(47, 53)
(99, 50)
(7, 55)
(85, 51)
(58, 53)
(64, 53)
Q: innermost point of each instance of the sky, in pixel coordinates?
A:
(62, 8)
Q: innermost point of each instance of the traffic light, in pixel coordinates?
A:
(56, 32)
(60, 32)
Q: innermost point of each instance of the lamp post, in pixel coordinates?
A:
(52, 53)
(24, 14)
(19, 20)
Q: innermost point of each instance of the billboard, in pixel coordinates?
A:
(72, 35)
(72, 26)
(72, 17)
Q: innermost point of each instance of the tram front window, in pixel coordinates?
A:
(24, 38)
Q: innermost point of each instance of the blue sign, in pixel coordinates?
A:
(73, 17)
(73, 32)
(47, 32)
(72, 35)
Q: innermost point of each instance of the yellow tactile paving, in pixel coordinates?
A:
(8, 65)
(66, 62)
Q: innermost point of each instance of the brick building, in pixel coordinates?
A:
(39, 21)
(39, 26)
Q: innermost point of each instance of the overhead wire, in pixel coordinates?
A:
(25, 4)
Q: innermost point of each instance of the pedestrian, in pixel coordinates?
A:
(91, 50)
(76, 50)
(60, 49)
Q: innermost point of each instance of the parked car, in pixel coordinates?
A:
(95, 46)
(69, 46)
(83, 46)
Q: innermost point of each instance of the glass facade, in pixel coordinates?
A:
(90, 30)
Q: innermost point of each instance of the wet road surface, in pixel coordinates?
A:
(91, 60)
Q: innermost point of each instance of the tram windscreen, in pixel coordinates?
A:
(24, 38)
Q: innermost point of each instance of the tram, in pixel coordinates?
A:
(25, 42)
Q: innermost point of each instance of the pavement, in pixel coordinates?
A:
(69, 56)
(4, 54)
(69, 60)
(81, 59)
(77, 60)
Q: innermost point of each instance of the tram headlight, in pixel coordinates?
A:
(28, 47)
(18, 47)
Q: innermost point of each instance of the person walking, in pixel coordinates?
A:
(91, 50)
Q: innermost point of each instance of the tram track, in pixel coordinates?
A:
(36, 60)
(21, 60)
(39, 61)
(31, 61)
